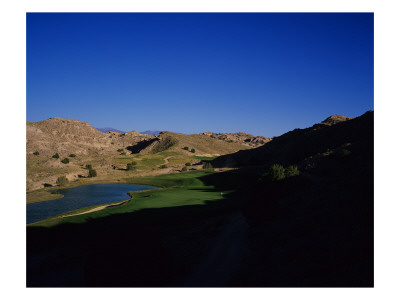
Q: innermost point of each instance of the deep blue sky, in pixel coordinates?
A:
(260, 73)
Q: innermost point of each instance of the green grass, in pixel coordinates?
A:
(205, 157)
(183, 189)
(40, 195)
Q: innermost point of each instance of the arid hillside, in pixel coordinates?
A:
(303, 146)
(239, 137)
(67, 136)
(110, 152)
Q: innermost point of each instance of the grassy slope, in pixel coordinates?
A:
(181, 189)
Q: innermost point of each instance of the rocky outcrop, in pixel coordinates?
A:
(239, 137)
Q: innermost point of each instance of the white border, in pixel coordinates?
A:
(12, 26)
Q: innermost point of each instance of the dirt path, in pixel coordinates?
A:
(218, 267)
(166, 160)
(166, 170)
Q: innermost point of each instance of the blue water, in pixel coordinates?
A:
(78, 197)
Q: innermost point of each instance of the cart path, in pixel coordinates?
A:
(225, 256)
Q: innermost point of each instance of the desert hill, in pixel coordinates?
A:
(329, 137)
(67, 136)
(111, 151)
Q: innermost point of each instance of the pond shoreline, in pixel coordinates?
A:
(48, 190)
(87, 198)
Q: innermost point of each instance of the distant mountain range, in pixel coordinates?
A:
(153, 132)
(107, 129)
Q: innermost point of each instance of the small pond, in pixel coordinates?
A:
(78, 197)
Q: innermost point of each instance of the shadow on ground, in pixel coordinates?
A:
(301, 233)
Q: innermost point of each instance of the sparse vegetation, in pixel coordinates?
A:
(184, 169)
(163, 166)
(36, 153)
(89, 167)
(120, 150)
(165, 144)
(56, 156)
(92, 173)
(65, 161)
(62, 181)
(276, 172)
(131, 166)
(291, 171)
(72, 155)
(188, 164)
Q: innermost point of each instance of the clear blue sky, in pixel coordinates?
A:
(260, 73)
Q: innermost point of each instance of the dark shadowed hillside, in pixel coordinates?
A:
(297, 145)
(316, 228)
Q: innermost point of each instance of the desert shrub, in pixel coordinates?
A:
(165, 144)
(36, 153)
(72, 155)
(65, 161)
(62, 180)
(131, 166)
(89, 167)
(92, 173)
(56, 156)
(188, 164)
(193, 151)
(291, 171)
(186, 148)
(276, 172)
(184, 169)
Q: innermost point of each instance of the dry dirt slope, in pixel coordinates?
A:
(103, 150)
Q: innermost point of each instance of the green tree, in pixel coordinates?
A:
(291, 171)
(186, 148)
(276, 172)
(193, 151)
(92, 173)
(56, 156)
(62, 181)
(65, 161)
